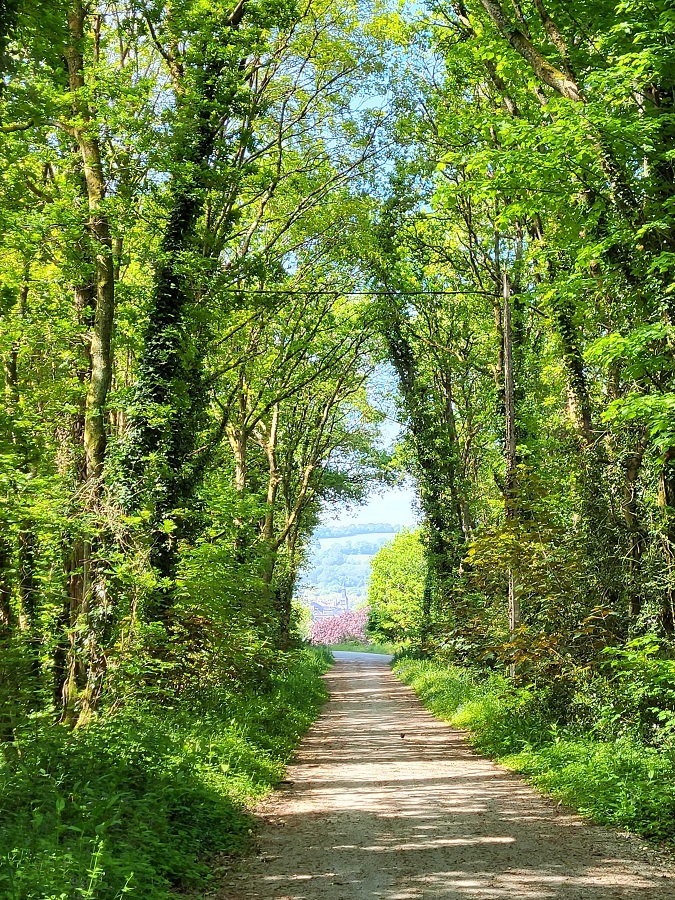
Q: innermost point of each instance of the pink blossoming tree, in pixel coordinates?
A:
(349, 625)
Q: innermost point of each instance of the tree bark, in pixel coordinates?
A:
(511, 448)
(555, 35)
(666, 500)
(636, 536)
(510, 453)
(274, 476)
(6, 614)
(548, 73)
(95, 302)
(100, 339)
(283, 592)
(8, 677)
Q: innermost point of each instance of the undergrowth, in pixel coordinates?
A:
(133, 804)
(621, 775)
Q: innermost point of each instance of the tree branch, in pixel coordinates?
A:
(542, 68)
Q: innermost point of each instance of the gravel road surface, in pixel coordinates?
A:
(384, 802)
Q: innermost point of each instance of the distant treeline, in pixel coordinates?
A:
(327, 531)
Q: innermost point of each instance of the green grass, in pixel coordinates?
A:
(358, 647)
(133, 805)
(622, 782)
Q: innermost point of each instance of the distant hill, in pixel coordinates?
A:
(331, 531)
(337, 570)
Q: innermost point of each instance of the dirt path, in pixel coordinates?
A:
(374, 815)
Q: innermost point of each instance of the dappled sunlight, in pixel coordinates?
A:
(384, 802)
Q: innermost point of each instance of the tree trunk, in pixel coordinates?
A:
(83, 671)
(437, 454)
(100, 350)
(28, 594)
(171, 391)
(636, 537)
(72, 466)
(511, 453)
(74, 675)
(274, 477)
(283, 594)
(6, 615)
(8, 677)
(511, 448)
(666, 499)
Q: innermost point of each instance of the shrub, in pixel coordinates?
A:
(133, 804)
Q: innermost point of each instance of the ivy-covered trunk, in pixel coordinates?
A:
(436, 453)
(511, 487)
(162, 469)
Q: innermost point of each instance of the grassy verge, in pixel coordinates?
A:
(622, 782)
(388, 649)
(132, 805)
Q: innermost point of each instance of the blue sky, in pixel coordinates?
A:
(395, 506)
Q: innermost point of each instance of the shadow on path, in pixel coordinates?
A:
(388, 803)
